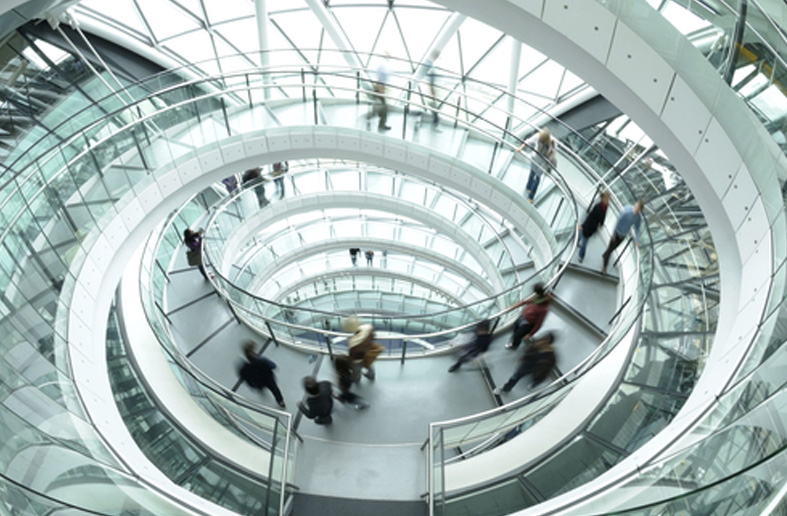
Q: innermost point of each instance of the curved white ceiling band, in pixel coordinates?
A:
(344, 243)
(305, 203)
(96, 271)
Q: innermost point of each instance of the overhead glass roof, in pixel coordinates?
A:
(207, 31)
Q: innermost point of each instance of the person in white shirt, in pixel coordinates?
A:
(381, 107)
(544, 159)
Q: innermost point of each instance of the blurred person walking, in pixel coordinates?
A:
(532, 316)
(630, 216)
(478, 346)
(193, 242)
(258, 372)
(319, 402)
(592, 223)
(538, 361)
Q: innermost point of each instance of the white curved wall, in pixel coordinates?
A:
(107, 250)
(631, 55)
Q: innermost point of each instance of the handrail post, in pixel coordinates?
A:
(270, 466)
(492, 161)
(494, 325)
(404, 350)
(407, 108)
(329, 345)
(248, 90)
(620, 254)
(314, 97)
(226, 118)
(273, 335)
(303, 84)
(357, 87)
(458, 107)
(163, 312)
(442, 472)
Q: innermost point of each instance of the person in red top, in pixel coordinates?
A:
(532, 316)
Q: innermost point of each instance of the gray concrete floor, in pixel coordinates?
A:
(373, 453)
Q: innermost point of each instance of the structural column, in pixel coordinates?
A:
(263, 26)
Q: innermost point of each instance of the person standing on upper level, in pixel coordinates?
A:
(532, 316)
(380, 108)
(354, 252)
(630, 216)
(544, 159)
(430, 75)
(279, 169)
(593, 222)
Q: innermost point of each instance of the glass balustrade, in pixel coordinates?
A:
(671, 355)
(71, 187)
(279, 253)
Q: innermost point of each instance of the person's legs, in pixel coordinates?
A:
(521, 329)
(522, 369)
(203, 271)
(583, 244)
(276, 392)
(324, 420)
(368, 359)
(465, 355)
(383, 114)
(614, 242)
(532, 182)
(344, 390)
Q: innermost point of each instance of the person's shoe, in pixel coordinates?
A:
(454, 367)
(603, 271)
(580, 259)
(369, 373)
(510, 345)
(384, 128)
(282, 404)
(360, 405)
(327, 420)
(498, 391)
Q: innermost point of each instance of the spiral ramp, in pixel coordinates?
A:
(701, 128)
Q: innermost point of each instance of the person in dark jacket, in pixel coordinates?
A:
(347, 371)
(538, 361)
(319, 404)
(532, 316)
(258, 373)
(193, 242)
(593, 222)
(252, 179)
(478, 346)
(354, 252)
